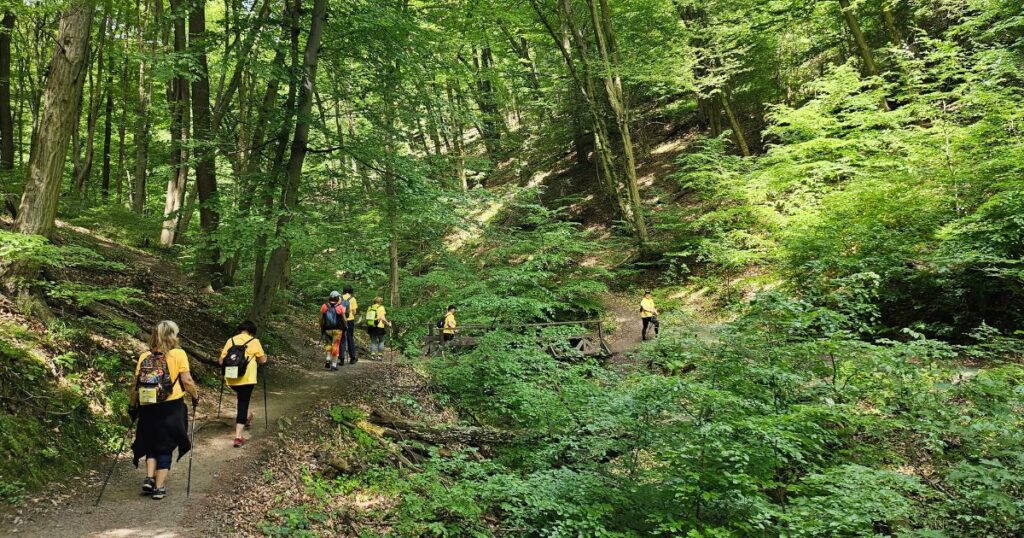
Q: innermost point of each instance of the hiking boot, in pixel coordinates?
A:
(327, 365)
(239, 442)
(353, 361)
(334, 368)
(148, 485)
(159, 493)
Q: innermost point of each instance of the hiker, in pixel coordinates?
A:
(239, 359)
(157, 397)
(377, 323)
(648, 315)
(449, 325)
(348, 342)
(332, 329)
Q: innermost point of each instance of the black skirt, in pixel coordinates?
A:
(162, 428)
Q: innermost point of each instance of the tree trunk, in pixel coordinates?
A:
(85, 169)
(868, 58)
(63, 92)
(277, 265)
(107, 135)
(734, 123)
(210, 266)
(487, 103)
(607, 50)
(141, 139)
(122, 170)
(6, 119)
(178, 98)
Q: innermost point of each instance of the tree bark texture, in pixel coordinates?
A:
(178, 97)
(57, 120)
(6, 117)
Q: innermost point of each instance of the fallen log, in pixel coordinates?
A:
(402, 429)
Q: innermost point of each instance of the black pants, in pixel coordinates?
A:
(244, 393)
(648, 322)
(349, 343)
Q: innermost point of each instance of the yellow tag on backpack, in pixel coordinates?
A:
(230, 372)
(147, 395)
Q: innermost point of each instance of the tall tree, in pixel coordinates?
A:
(206, 168)
(6, 116)
(280, 256)
(38, 208)
(178, 98)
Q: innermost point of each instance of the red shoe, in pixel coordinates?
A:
(239, 442)
(248, 421)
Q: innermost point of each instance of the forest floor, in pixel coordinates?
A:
(218, 468)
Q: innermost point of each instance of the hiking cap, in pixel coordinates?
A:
(335, 295)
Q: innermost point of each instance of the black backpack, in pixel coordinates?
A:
(332, 320)
(440, 322)
(236, 358)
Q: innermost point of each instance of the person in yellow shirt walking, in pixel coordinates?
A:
(240, 359)
(449, 326)
(162, 377)
(648, 315)
(349, 302)
(377, 323)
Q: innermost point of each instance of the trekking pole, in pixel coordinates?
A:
(192, 441)
(117, 456)
(266, 415)
(221, 397)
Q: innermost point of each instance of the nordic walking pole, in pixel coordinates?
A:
(221, 397)
(192, 441)
(266, 415)
(117, 456)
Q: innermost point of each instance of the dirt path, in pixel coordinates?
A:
(124, 512)
(624, 311)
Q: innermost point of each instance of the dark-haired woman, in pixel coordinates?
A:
(243, 384)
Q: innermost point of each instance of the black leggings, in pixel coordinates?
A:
(651, 321)
(244, 393)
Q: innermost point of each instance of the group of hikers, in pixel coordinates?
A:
(162, 376)
(338, 328)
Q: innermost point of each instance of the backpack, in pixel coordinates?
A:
(440, 322)
(371, 317)
(154, 379)
(347, 304)
(332, 320)
(235, 362)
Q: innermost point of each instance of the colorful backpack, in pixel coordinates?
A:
(154, 380)
(371, 317)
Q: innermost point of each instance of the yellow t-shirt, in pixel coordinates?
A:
(177, 362)
(353, 305)
(253, 350)
(449, 324)
(647, 307)
(381, 312)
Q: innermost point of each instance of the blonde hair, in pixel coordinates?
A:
(164, 337)
(378, 300)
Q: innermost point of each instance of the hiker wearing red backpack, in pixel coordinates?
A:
(158, 398)
(332, 329)
(240, 358)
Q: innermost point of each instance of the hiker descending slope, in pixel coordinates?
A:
(377, 323)
(348, 344)
(161, 380)
(332, 329)
(448, 324)
(648, 315)
(240, 358)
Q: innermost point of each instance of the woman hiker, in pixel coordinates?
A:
(648, 315)
(377, 323)
(158, 396)
(244, 353)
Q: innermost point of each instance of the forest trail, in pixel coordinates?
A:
(123, 512)
(625, 317)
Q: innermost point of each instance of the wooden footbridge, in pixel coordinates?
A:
(562, 339)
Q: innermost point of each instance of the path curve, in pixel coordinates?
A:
(123, 512)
